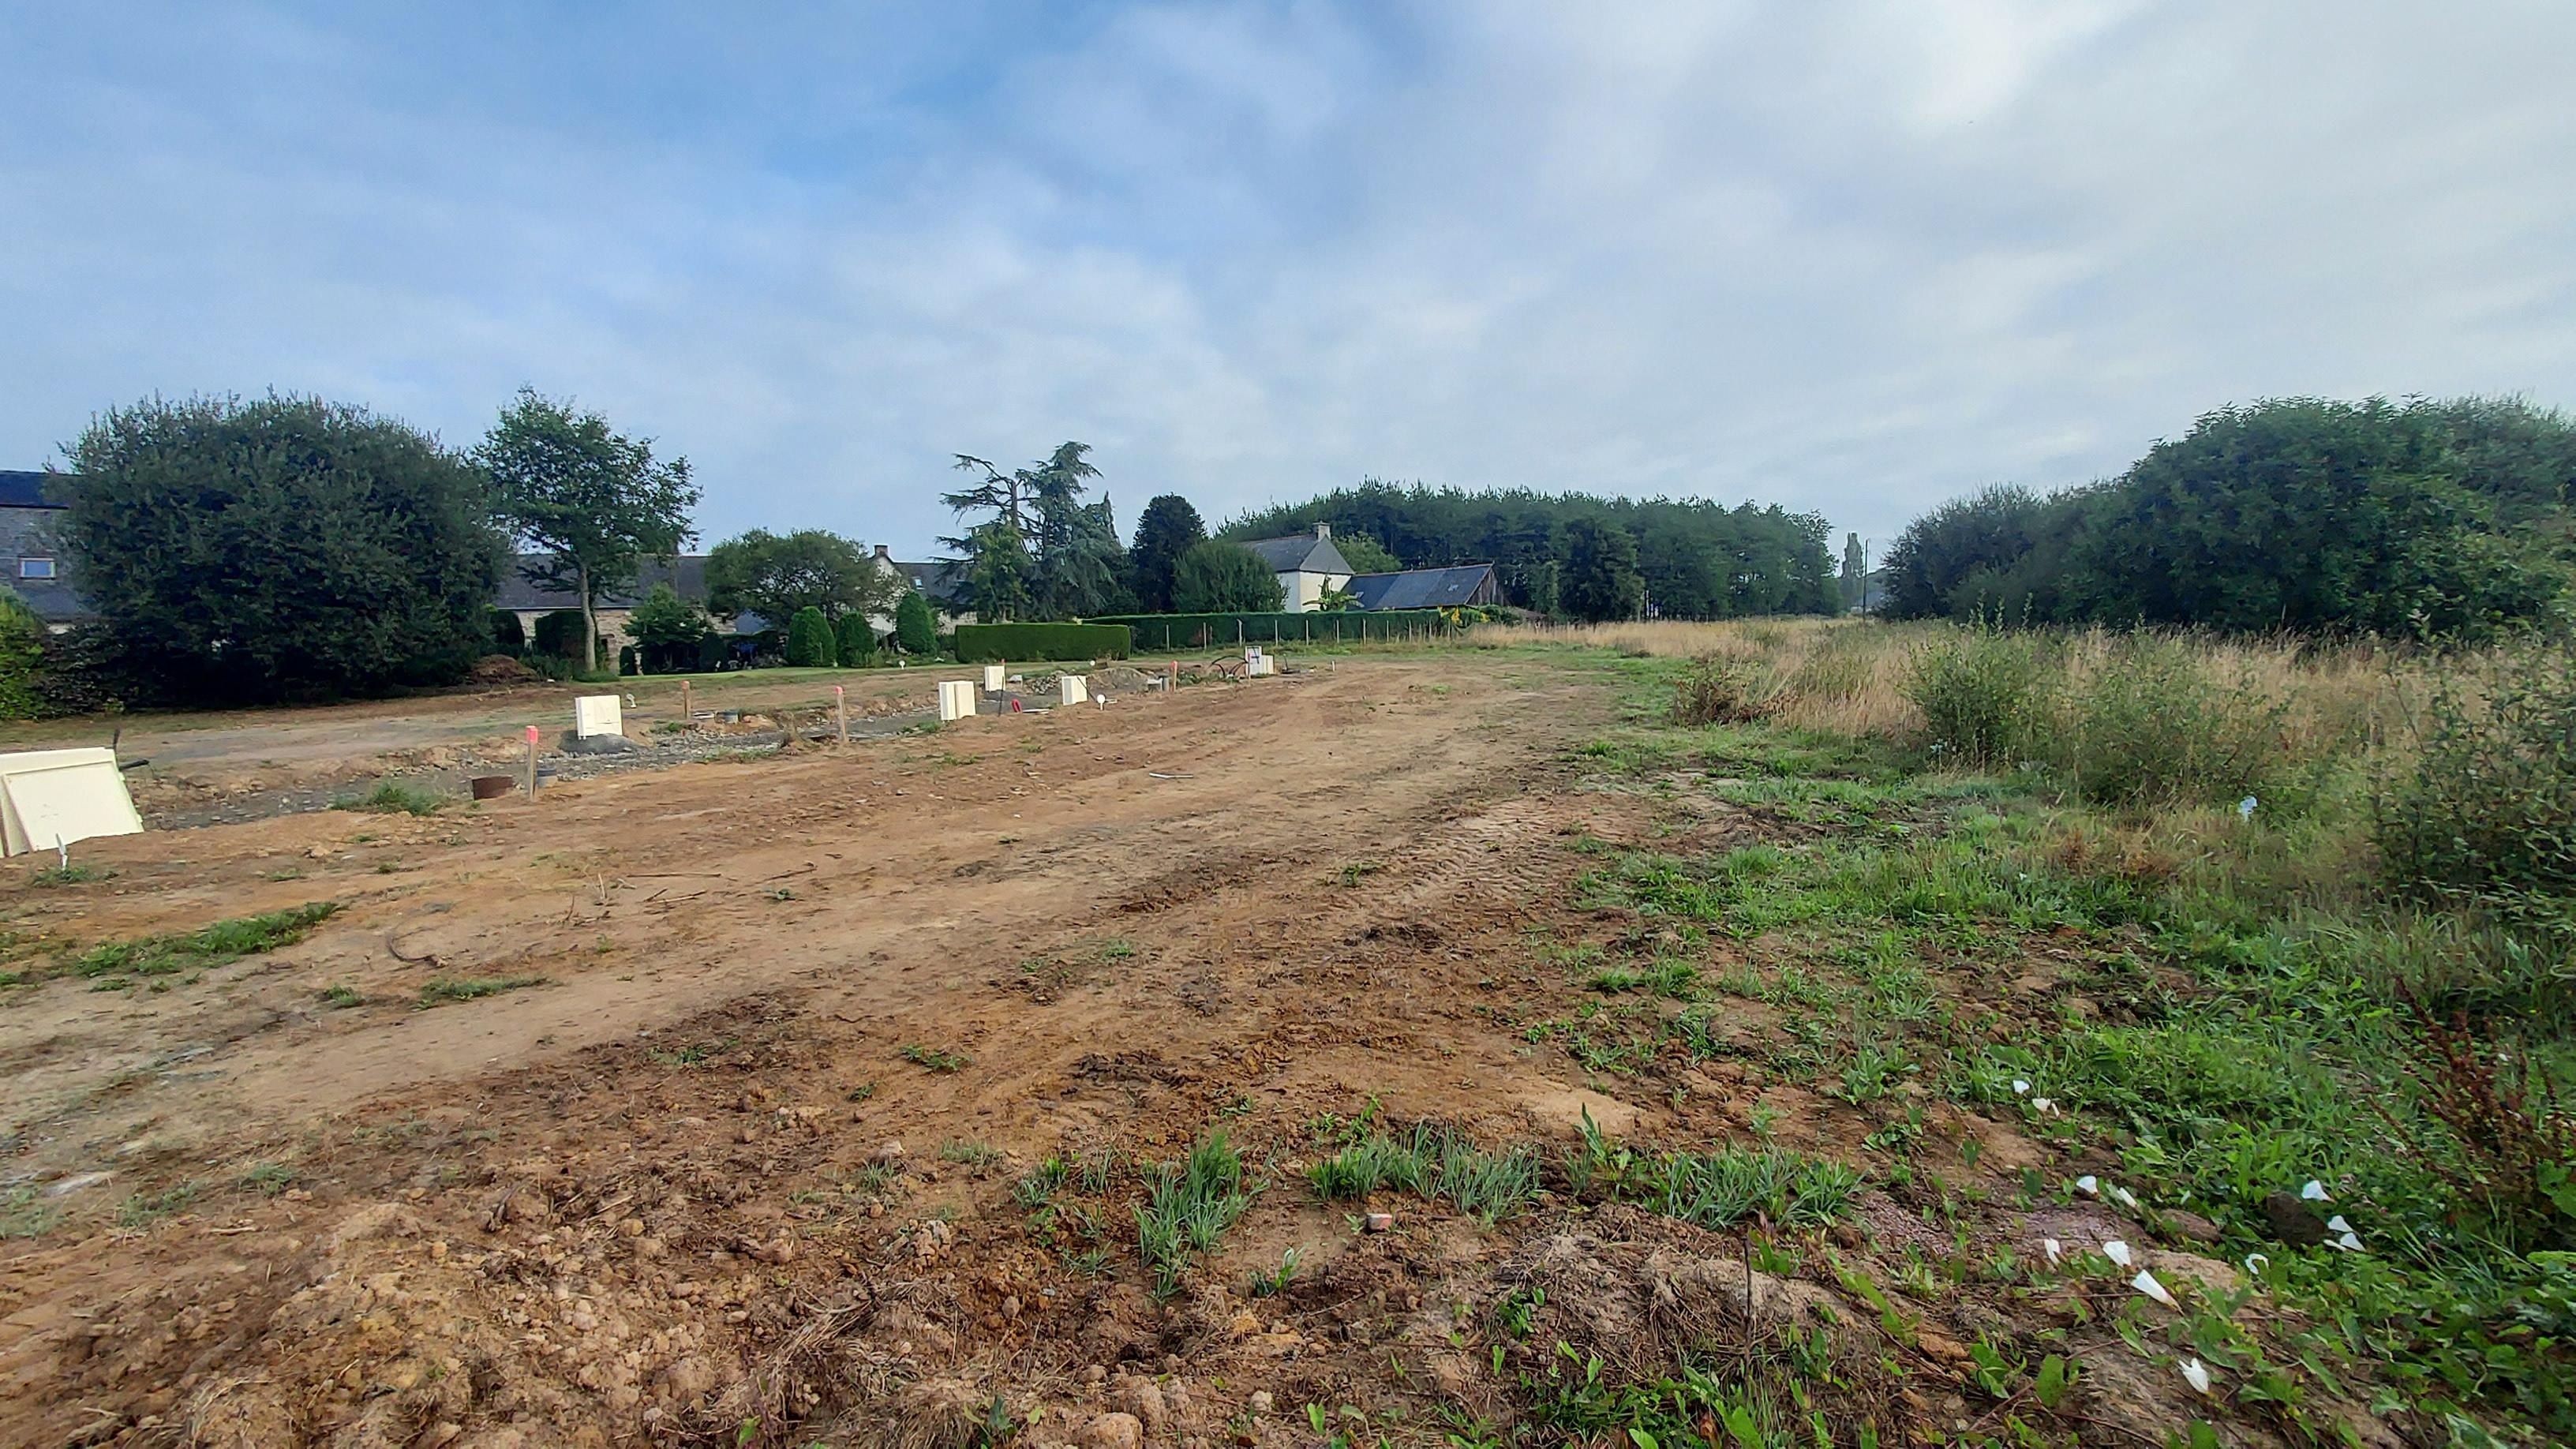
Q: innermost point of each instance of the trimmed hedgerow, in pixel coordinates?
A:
(997, 643)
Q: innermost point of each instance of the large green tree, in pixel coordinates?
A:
(1039, 547)
(590, 502)
(1164, 531)
(774, 575)
(1601, 579)
(1219, 577)
(2291, 513)
(277, 548)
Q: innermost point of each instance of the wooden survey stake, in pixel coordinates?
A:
(532, 762)
(841, 711)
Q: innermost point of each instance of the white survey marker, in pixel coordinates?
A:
(956, 699)
(597, 714)
(50, 798)
(1073, 689)
(993, 678)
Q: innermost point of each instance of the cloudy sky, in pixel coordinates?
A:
(1852, 258)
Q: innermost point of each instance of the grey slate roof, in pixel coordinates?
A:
(1446, 588)
(687, 576)
(20, 488)
(1299, 553)
(938, 579)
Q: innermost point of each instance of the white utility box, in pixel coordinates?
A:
(597, 714)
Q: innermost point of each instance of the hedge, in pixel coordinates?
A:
(1224, 631)
(995, 643)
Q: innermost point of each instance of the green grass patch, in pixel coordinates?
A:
(76, 873)
(1188, 1206)
(448, 989)
(393, 798)
(216, 945)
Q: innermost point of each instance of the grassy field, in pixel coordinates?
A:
(2320, 894)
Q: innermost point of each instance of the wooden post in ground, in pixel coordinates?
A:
(686, 719)
(532, 762)
(841, 712)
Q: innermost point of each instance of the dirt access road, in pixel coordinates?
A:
(723, 1104)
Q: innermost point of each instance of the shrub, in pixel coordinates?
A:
(1219, 577)
(809, 640)
(1983, 691)
(626, 660)
(995, 643)
(855, 641)
(2152, 728)
(2488, 811)
(559, 633)
(915, 632)
(1722, 689)
(81, 670)
(509, 636)
(666, 629)
(22, 657)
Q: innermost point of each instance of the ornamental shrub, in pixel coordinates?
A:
(809, 640)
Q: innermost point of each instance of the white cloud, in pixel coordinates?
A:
(1844, 257)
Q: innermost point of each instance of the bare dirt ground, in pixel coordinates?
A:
(740, 1167)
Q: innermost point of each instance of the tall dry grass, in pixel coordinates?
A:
(1849, 676)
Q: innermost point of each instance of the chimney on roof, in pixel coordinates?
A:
(883, 556)
(1323, 530)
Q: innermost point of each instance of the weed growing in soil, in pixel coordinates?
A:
(1188, 1206)
(446, 989)
(216, 945)
(1431, 1162)
(77, 873)
(392, 798)
(145, 1209)
(24, 1214)
(936, 1059)
(340, 998)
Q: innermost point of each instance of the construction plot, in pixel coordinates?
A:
(1222, 1065)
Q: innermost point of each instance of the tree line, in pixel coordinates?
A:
(1579, 555)
(2449, 517)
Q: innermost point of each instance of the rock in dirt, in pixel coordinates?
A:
(598, 744)
(888, 1154)
(2293, 1221)
(1140, 1398)
(1261, 1402)
(2189, 1227)
(1112, 1431)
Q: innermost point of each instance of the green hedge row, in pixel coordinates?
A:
(998, 643)
(1224, 631)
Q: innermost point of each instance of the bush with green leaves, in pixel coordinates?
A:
(2151, 727)
(1221, 577)
(915, 631)
(666, 629)
(558, 634)
(855, 641)
(1985, 693)
(2487, 811)
(509, 636)
(22, 658)
(810, 644)
(277, 548)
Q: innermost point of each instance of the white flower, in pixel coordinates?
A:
(2146, 1283)
(2315, 1191)
(2089, 1185)
(2195, 1374)
(2117, 1251)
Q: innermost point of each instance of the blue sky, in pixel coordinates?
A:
(1853, 258)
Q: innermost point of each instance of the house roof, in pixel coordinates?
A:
(938, 580)
(687, 576)
(1300, 553)
(1422, 588)
(22, 489)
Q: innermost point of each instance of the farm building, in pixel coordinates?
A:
(1307, 565)
(28, 511)
(1448, 588)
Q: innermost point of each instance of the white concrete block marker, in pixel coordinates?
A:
(956, 699)
(597, 714)
(51, 798)
(1072, 689)
(993, 678)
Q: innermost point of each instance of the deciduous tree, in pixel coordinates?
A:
(774, 575)
(592, 503)
(278, 548)
(1218, 577)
